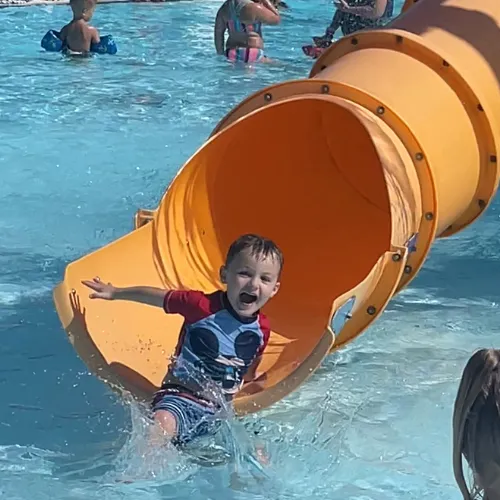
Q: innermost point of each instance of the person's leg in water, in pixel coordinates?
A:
(180, 418)
(250, 456)
(268, 60)
(164, 428)
(161, 433)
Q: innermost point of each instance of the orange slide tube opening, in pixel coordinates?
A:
(325, 202)
(328, 210)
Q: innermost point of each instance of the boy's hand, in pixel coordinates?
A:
(102, 290)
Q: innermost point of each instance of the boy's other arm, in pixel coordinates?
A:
(95, 36)
(252, 374)
(63, 33)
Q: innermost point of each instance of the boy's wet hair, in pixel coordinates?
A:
(81, 7)
(258, 246)
(84, 4)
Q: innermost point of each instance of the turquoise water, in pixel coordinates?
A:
(84, 144)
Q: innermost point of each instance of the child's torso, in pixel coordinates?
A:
(218, 349)
(77, 36)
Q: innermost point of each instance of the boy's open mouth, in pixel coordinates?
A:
(248, 298)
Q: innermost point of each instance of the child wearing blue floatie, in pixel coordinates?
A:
(78, 37)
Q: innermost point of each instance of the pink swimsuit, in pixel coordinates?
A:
(243, 54)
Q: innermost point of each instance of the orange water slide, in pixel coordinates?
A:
(390, 143)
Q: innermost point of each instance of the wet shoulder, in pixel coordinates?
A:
(240, 4)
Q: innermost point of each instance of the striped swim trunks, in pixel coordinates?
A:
(194, 417)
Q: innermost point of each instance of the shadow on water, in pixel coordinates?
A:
(52, 405)
(48, 397)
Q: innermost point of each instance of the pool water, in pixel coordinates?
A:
(87, 142)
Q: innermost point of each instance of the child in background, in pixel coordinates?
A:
(78, 36)
(243, 19)
(476, 426)
(222, 338)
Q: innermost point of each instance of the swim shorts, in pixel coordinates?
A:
(194, 417)
(245, 54)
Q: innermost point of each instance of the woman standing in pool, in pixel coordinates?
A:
(350, 17)
(244, 19)
(476, 426)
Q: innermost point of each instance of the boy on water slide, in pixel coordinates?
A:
(222, 339)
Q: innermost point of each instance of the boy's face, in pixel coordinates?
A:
(251, 281)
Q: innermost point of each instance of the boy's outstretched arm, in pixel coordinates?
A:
(144, 294)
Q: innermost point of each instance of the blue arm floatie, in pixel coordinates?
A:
(106, 46)
(51, 42)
